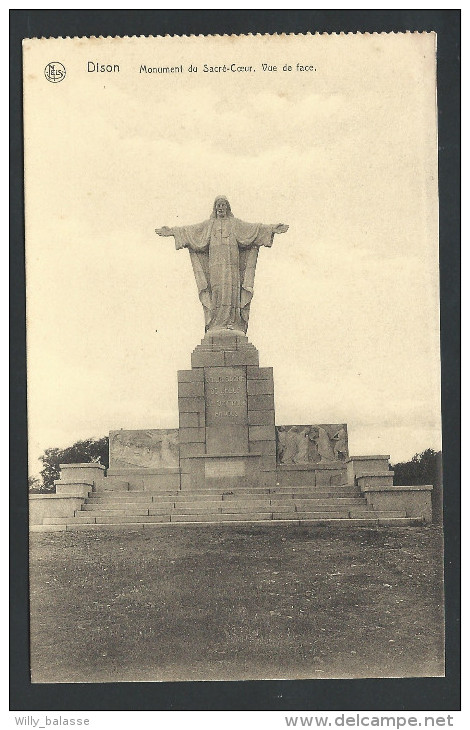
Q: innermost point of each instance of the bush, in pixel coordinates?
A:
(84, 452)
(35, 486)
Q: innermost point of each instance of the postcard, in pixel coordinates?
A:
(233, 357)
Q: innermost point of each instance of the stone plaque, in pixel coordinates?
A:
(153, 448)
(224, 468)
(321, 443)
(226, 398)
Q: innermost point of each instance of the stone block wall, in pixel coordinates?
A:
(375, 479)
(226, 415)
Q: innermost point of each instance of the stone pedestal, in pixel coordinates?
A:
(79, 479)
(226, 415)
(367, 466)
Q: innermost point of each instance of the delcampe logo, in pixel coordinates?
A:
(54, 72)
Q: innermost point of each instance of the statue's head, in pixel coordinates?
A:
(221, 208)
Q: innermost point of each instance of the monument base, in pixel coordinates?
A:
(226, 415)
(229, 463)
(290, 475)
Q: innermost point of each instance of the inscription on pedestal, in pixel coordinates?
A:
(226, 410)
(226, 397)
(225, 468)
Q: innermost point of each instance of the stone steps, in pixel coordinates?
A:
(225, 506)
(217, 497)
(137, 508)
(370, 521)
(111, 484)
(280, 505)
(217, 489)
(313, 492)
(101, 518)
(292, 516)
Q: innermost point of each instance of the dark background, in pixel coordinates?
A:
(436, 694)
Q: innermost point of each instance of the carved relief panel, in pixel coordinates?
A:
(315, 444)
(152, 448)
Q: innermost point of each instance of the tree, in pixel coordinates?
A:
(81, 452)
(424, 468)
(34, 485)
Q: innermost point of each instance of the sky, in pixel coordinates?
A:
(346, 303)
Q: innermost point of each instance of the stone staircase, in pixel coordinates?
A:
(122, 507)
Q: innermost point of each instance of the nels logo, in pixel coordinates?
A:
(54, 72)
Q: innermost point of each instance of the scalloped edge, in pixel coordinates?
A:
(235, 35)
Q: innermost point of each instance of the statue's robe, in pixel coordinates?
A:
(223, 253)
(325, 447)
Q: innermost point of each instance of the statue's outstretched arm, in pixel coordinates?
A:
(280, 228)
(164, 231)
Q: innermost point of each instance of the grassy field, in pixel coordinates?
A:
(226, 603)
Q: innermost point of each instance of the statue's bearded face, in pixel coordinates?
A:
(221, 208)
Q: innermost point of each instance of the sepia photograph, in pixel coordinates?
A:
(233, 357)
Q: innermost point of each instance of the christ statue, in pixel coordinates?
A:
(223, 252)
